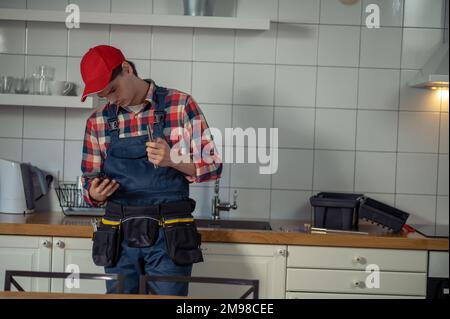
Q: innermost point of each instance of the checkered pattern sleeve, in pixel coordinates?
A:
(91, 162)
(203, 150)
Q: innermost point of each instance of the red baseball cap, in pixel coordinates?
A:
(96, 68)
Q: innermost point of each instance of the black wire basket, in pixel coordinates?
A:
(70, 197)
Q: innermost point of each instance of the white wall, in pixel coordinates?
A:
(336, 90)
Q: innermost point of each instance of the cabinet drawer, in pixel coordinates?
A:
(315, 295)
(357, 258)
(353, 281)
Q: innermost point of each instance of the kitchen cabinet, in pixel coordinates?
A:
(26, 253)
(314, 272)
(267, 263)
(75, 252)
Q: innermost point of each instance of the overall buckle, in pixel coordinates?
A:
(159, 117)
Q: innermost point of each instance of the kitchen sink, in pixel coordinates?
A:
(233, 224)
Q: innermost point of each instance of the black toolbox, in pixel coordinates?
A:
(342, 211)
(336, 210)
(382, 214)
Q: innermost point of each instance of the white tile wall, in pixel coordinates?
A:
(378, 89)
(300, 11)
(335, 129)
(417, 173)
(336, 12)
(337, 87)
(339, 45)
(418, 132)
(295, 86)
(318, 75)
(297, 44)
(377, 131)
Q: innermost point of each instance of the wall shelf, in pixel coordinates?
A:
(48, 101)
(138, 19)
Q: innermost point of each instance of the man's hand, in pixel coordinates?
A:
(158, 152)
(101, 191)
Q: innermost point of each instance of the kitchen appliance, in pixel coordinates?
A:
(197, 7)
(21, 184)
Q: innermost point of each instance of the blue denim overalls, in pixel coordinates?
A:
(141, 184)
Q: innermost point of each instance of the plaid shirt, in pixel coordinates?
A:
(181, 113)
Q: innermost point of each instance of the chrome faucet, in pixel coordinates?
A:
(218, 206)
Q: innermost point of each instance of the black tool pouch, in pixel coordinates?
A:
(183, 243)
(106, 245)
(140, 231)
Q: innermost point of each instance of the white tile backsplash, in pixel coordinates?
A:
(252, 117)
(419, 45)
(72, 160)
(337, 12)
(381, 48)
(299, 11)
(337, 87)
(286, 204)
(377, 131)
(46, 38)
(416, 173)
(172, 43)
(339, 45)
(134, 41)
(426, 14)
(335, 129)
(305, 76)
(295, 127)
(443, 136)
(172, 74)
(334, 171)
(11, 121)
(375, 172)
(40, 122)
(421, 208)
(12, 37)
(295, 86)
(418, 132)
(11, 149)
(86, 37)
(391, 12)
(378, 89)
(214, 45)
(254, 84)
(297, 44)
(295, 169)
(266, 9)
(443, 175)
(256, 46)
(216, 89)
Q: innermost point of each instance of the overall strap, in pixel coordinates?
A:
(113, 123)
(160, 112)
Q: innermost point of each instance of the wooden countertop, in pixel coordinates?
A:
(56, 295)
(284, 232)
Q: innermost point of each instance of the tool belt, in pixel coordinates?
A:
(139, 227)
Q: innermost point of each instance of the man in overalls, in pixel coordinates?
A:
(128, 169)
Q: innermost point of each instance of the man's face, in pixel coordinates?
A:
(119, 91)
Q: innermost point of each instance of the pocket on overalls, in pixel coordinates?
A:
(140, 232)
(106, 244)
(183, 241)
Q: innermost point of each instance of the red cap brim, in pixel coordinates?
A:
(95, 86)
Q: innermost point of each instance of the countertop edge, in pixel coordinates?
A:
(249, 237)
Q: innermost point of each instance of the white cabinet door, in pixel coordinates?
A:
(311, 295)
(26, 253)
(267, 263)
(75, 252)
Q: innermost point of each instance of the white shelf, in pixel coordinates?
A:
(48, 100)
(138, 19)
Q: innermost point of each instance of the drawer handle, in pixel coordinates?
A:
(359, 260)
(60, 244)
(359, 284)
(47, 244)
